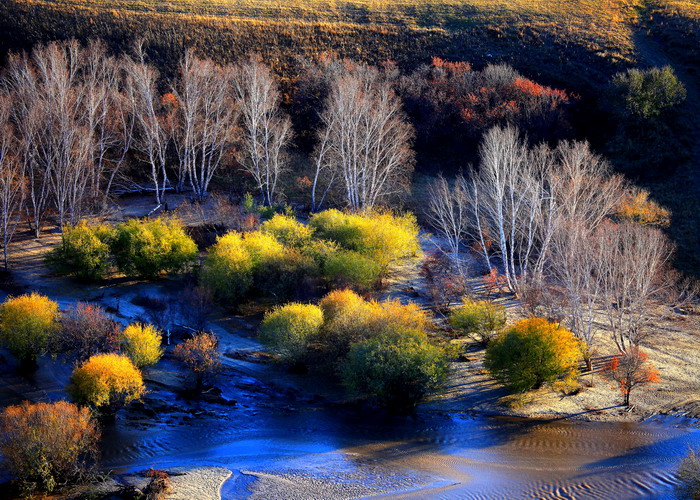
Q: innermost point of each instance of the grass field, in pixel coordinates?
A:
(544, 36)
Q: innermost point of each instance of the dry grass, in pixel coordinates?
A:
(544, 35)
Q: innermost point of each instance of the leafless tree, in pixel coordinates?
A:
(266, 130)
(365, 138)
(152, 137)
(12, 181)
(205, 126)
(449, 212)
(632, 266)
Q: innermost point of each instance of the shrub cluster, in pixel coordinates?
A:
(347, 250)
(141, 344)
(28, 326)
(139, 248)
(479, 320)
(47, 444)
(380, 349)
(533, 352)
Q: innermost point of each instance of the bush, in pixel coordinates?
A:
(291, 328)
(649, 93)
(200, 354)
(145, 248)
(397, 369)
(478, 320)
(87, 330)
(106, 382)
(84, 251)
(351, 269)
(380, 235)
(533, 352)
(47, 444)
(141, 344)
(688, 476)
(28, 325)
(158, 486)
(288, 231)
(228, 267)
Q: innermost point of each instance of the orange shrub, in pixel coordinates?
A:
(106, 381)
(630, 370)
(46, 444)
(637, 207)
(200, 354)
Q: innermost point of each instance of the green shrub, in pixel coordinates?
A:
(84, 251)
(478, 320)
(351, 269)
(228, 267)
(145, 248)
(381, 235)
(141, 344)
(648, 93)
(290, 329)
(288, 231)
(106, 382)
(48, 444)
(533, 352)
(28, 326)
(397, 369)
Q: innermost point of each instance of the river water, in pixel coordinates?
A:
(322, 451)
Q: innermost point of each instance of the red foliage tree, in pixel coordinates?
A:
(631, 369)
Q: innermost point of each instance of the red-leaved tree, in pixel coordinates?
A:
(631, 369)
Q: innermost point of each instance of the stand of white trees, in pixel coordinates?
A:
(546, 218)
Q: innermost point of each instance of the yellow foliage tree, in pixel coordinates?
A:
(291, 328)
(141, 344)
(106, 381)
(28, 324)
(228, 268)
(532, 352)
(637, 207)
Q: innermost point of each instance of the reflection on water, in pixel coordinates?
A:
(421, 456)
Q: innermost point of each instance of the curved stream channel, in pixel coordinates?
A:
(315, 451)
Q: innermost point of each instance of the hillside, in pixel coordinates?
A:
(586, 36)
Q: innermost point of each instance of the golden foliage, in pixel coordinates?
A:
(46, 444)
(637, 207)
(291, 328)
(141, 344)
(106, 381)
(28, 325)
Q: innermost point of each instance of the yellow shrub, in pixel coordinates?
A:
(228, 268)
(141, 344)
(106, 381)
(28, 324)
(637, 207)
(288, 231)
(263, 248)
(291, 328)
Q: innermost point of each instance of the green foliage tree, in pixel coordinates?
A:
(291, 328)
(288, 231)
(648, 93)
(351, 269)
(84, 251)
(48, 444)
(28, 326)
(228, 267)
(478, 319)
(397, 369)
(141, 344)
(532, 352)
(145, 248)
(106, 382)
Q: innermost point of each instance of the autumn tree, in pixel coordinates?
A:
(631, 370)
(106, 382)
(533, 352)
(86, 330)
(365, 139)
(266, 130)
(291, 328)
(12, 178)
(200, 354)
(141, 344)
(46, 445)
(28, 325)
(151, 137)
(84, 251)
(205, 122)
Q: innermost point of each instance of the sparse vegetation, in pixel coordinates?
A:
(479, 320)
(200, 354)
